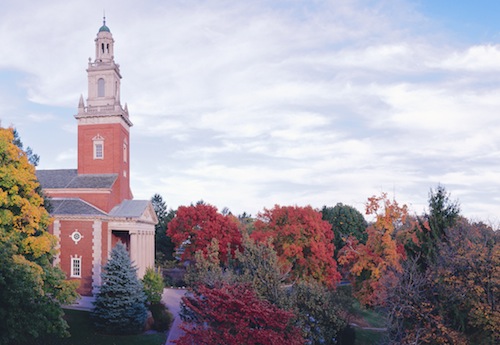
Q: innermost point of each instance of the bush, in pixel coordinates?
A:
(153, 285)
(163, 318)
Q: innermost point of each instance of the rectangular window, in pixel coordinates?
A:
(98, 150)
(76, 267)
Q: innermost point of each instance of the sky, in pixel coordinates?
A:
(248, 104)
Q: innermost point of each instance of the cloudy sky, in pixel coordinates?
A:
(247, 104)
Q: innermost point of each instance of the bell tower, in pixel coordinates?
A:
(103, 124)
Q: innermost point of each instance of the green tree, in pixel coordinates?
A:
(319, 312)
(165, 248)
(33, 158)
(32, 290)
(431, 228)
(346, 221)
(153, 285)
(257, 264)
(120, 303)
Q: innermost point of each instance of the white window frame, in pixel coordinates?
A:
(98, 147)
(76, 267)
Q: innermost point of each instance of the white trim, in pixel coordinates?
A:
(57, 232)
(76, 236)
(76, 265)
(77, 190)
(96, 255)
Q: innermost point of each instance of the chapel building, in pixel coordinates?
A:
(92, 206)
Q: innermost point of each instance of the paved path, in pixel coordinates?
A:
(172, 299)
(83, 303)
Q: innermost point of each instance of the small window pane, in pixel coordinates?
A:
(98, 151)
(76, 267)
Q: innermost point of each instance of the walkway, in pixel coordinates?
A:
(172, 299)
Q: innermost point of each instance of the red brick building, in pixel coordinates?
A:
(93, 206)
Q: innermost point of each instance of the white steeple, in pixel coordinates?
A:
(103, 81)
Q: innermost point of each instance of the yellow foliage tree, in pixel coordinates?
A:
(371, 266)
(31, 288)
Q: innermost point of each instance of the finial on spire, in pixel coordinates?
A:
(103, 17)
(81, 104)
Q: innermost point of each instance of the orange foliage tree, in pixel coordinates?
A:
(369, 266)
(302, 240)
(195, 226)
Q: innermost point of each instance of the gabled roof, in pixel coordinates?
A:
(73, 207)
(69, 178)
(140, 210)
(130, 208)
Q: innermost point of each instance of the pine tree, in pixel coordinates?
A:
(120, 304)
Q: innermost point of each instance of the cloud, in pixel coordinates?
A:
(247, 104)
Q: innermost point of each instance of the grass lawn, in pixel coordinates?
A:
(82, 333)
(368, 318)
(367, 337)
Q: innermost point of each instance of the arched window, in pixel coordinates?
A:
(98, 147)
(125, 151)
(100, 87)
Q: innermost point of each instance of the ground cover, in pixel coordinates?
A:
(369, 325)
(83, 333)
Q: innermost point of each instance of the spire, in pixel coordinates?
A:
(104, 27)
(81, 104)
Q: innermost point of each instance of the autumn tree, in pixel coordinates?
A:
(414, 309)
(302, 240)
(368, 265)
(165, 248)
(234, 315)
(345, 221)
(194, 227)
(466, 278)
(32, 289)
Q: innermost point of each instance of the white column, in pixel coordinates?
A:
(96, 255)
(57, 232)
(152, 249)
(133, 247)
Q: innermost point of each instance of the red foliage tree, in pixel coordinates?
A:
(371, 266)
(234, 315)
(195, 226)
(302, 240)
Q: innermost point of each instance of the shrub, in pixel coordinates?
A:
(153, 285)
(163, 318)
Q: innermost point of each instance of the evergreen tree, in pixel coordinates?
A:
(431, 230)
(346, 221)
(120, 304)
(165, 248)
